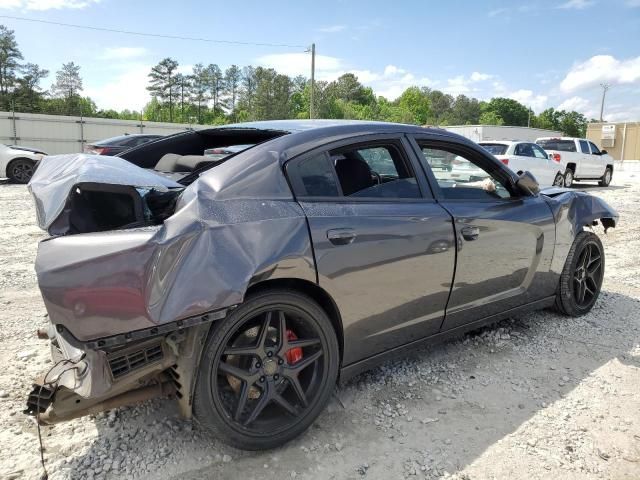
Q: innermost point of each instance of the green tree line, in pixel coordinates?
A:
(210, 95)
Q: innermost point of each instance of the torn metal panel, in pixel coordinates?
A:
(56, 177)
(573, 211)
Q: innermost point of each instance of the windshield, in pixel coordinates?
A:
(557, 144)
(494, 148)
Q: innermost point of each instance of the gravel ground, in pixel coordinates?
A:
(537, 396)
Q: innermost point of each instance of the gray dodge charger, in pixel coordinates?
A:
(246, 286)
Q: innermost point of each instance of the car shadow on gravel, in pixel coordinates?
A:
(434, 411)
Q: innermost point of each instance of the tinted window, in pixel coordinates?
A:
(557, 144)
(524, 150)
(594, 149)
(494, 148)
(313, 177)
(539, 152)
(584, 146)
(379, 171)
(466, 179)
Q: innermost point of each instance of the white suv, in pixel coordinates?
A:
(527, 156)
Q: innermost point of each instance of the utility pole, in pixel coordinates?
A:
(529, 118)
(313, 83)
(605, 87)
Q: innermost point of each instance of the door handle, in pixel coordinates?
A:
(470, 232)
(341, 236)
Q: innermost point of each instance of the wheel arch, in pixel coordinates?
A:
(571, 166)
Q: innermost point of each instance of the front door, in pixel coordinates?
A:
(504, 240)
(384, 249)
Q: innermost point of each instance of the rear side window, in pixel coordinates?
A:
(379, 171)
(494, 148)
(584, 146)
(557, 144)
(313, 177)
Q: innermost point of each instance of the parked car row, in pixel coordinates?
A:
(555, 161)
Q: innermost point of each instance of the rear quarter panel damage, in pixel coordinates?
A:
(202, 258)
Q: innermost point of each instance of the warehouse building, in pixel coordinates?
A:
(620, 140)
(481, 133)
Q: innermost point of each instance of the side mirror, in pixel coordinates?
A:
(528, 184)
(603, 152)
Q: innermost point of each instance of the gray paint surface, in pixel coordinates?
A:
(239, 224)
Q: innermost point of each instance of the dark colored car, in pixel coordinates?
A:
(248, 287)
(119, 144)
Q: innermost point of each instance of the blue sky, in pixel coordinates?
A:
(541, 52)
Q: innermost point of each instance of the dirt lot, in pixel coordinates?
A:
(538, 396)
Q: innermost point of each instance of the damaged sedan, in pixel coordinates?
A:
(247, 286)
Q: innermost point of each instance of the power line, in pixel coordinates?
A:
(155, 35)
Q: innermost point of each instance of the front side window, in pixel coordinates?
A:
(584, 146)
(465, 179)
(539, 152)
(524, 150)
(595, 150)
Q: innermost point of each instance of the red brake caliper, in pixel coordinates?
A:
(294, 355)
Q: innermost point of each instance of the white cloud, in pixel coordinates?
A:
(122, 53)
(126, 90)
(332, 28)
(461, 85)
(293, 64)
(601, 68)
(528, 98)
(497, 12)
(577, 4)
(632, 3)
(576, 103)
(45, 4)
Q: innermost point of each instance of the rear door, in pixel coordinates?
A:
(384, 249)
(505, 241)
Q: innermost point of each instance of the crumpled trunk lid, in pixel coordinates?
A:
(82, 193)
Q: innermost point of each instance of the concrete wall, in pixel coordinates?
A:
(630, 139)
(479, 133)
(60, 134)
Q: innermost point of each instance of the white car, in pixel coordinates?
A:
(527, 156)
(18, 163)
(580, 158)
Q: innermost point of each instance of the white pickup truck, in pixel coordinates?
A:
(580, 158)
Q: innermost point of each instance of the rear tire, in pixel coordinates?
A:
(568, 178)
(267, 371)
(606, 178)
(21, 170)
(582, 275)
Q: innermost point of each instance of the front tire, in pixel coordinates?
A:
(568, 178)
(582, 275)
(559, 180)
(606, 178)
(21, 170)
(267, 371)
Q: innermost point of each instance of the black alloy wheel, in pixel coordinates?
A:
(587, 275)
(21, 170)
(267, 371)
(581, 279)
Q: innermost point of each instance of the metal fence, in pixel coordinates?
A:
(61, 134)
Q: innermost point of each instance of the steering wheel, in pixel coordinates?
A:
(377, 177)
